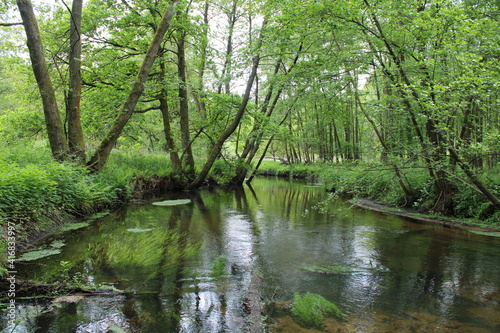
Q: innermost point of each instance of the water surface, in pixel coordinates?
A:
(210, 265)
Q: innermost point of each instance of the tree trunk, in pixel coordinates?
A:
(169, 140)
(199, 91)
(187, 154)
(226, 69)
(55, 130)
(101, 155)
(76, 139)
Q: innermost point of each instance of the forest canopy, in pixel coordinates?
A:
(216, 86)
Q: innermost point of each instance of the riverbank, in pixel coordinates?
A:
(411, 214)
(38, 195)
(376, 187)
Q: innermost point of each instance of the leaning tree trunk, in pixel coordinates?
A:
(101, 155)
(76, 139)
(55, 130)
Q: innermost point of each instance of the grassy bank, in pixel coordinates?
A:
(38, 194)
(378, 182)
(279, 169)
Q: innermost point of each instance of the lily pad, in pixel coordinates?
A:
(172, 202)
(57, 244)
(73, 226)
(38, 254)
(138, 230)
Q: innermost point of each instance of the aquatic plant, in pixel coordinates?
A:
(38, 254)
(310, 310)
(42, 252)
(218, 267)
(138, 229)
(172, 202)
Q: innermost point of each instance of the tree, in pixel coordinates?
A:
(99, 159)
(55, 130)
(76, 140)
(237, 118)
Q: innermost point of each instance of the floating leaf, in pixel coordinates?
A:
(57, 244)
(172, 202)
(138, 230)
(115, 329)
(73, 226)
(34, 255)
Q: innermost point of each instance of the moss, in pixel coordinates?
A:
(310, 310)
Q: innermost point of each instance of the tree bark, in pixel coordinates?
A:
(187, 154)
(76, 139)
(226, 69)
(101, 155)
(55, 130)
(169, 140)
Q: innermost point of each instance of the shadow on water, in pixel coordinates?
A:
(213, 264)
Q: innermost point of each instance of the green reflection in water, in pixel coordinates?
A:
(205, 266)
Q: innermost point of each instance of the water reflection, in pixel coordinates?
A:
(209, 265)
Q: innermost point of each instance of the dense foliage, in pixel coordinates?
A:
(199, 89)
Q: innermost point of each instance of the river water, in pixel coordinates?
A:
(216, 264)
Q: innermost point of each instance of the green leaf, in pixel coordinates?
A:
(172, 202)
(138, 230)
(35, 255)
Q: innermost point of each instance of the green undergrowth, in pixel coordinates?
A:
(127, 165)
(39, 194)
(279, 169)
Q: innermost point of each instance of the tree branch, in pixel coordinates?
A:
(10, 24)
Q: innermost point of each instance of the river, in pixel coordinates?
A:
(232, 261)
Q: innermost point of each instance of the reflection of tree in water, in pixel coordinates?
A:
(270, 231)
(161, 309)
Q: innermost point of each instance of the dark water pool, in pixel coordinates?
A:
(214, 265)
